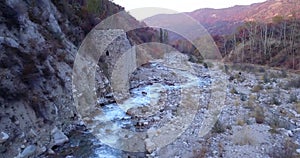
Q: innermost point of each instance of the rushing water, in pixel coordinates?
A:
(116, 117)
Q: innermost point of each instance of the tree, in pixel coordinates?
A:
(163, 36)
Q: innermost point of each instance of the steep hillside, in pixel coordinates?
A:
(263, 33)
(38, 44)
(256, 12)
(275, 44)
(225, 21)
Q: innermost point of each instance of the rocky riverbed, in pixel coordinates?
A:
(174, 108)
(251, 123)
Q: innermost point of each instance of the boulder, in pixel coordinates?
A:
(28, 151)
(3, 137)
(59, 137)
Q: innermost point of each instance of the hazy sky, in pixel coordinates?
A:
(182, 5)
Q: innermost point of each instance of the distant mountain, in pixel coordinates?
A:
(225, 21)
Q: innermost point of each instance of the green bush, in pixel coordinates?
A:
(94, 6)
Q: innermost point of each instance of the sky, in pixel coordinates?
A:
(178, 5)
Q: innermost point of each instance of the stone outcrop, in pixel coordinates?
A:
(109, 54)
(38, 44)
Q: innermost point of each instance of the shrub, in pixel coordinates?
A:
(257, 88)
(218, 127)
(273, 75)
(208, 65)
(29, 73)
(283, 74)
(234, 91)
(239, 77)
(61, 57)
(237, 102)
(205, 65)
(251, 101)
(240, 122)
(295, 83)
(202, 153)
(293, 98)
(259, 115)
(195, 59)
(275, 121)
(261, 70)
(274, 100)
(231, 78)
(297, 108)
(94, 6)
(226, 69)
(247, 136)
(252, 97)
(104, 67)
(287, 150)
(29, 68)
(266, 78)
(243, 97)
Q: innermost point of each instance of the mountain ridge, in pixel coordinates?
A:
(214, 20)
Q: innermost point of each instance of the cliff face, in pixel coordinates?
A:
(38, 44)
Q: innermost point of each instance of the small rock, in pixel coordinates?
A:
(22, 135)
(215, 152)
(298, 151)
(22, 146)
(286, 132)
(28, 151)
(42, 149)
(51, 152)
(296, 130)
(156, 118)
(59, 137)
(153, 154)
(81, 123)
(3, 137)
(139, 124)
(150, 146)
(144, 93)
(33, 133)
(290, 133)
